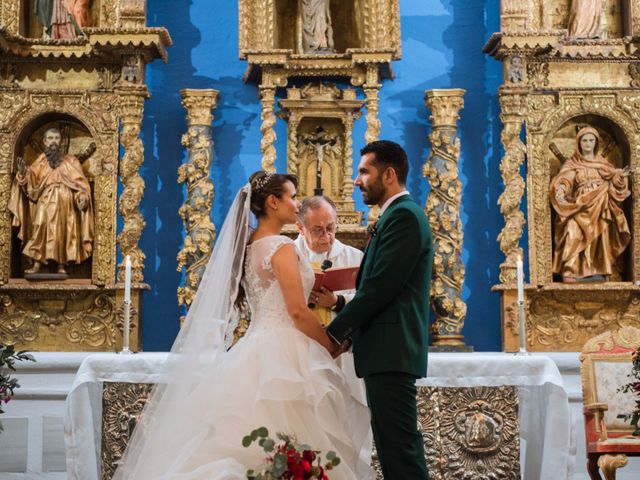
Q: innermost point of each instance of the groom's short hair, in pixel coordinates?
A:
(389, 154)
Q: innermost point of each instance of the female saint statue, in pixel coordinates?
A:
(317, 32)
(591, 230)
(584, 18)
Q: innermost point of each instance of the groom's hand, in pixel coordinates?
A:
(344, 347)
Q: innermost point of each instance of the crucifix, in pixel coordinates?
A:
(319, 142)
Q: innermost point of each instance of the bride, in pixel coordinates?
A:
(280, 375)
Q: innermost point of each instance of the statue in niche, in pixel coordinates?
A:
(320, 141)
(131, 69)
(515, 69)
(51, 205)
(584, 18)
(63, 19)
(317, 32)
(591, 230)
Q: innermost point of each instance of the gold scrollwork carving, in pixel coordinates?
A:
(28, 316)
(538, 73)
(565, 319)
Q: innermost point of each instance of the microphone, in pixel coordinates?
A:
(326, 264)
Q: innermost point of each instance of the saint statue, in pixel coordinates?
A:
(63, 19)
(51, 204)
(591, 230)
(317, 33)
(584, 18)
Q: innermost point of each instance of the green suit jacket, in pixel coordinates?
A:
(388, 318)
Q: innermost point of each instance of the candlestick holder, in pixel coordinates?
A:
(522, 350)
(125, 328)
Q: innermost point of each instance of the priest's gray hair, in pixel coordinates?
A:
(314, 203)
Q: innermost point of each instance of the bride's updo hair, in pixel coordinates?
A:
(264, 184)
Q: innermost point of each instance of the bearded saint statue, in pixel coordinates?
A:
(591, 230)
(51, 205)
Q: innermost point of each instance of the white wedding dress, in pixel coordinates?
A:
(276, 377)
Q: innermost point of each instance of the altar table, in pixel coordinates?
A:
(546, 438)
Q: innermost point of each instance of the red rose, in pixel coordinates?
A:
(309, 455)
(306, 466)
(297, 470)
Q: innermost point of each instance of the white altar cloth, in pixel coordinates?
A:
(547, 440)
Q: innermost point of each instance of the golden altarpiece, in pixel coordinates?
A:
(569, 65)
(357, 43)
(87, 82)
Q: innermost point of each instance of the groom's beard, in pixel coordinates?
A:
(372, 194)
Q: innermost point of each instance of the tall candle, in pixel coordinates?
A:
(520, 274)
(127, 279)
(127, 305)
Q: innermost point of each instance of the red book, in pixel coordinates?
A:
(337, 279)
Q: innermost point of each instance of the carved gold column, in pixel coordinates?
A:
(371, 93)
(195, 172)
(512, 116)
(293, 161)
(268, 98)
(347, 175)
(443, 210)
(131, 109)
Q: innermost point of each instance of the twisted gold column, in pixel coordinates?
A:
(195, 173)
(443, 211)
(371, 93)
(268, 98)
(131, 107)
(512, 116)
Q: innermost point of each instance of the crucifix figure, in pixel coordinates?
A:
(319, 141)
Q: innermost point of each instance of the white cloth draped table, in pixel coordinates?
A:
(546, 436)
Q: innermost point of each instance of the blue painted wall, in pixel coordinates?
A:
(442, 48)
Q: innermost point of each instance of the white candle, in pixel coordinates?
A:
(127, 279)
(520, 273)
(127, 305)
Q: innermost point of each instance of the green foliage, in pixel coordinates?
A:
(8, 358)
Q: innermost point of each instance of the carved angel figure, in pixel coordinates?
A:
(591, 230)
(317, 32)
(584, 18)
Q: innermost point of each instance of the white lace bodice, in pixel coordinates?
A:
(262, 289)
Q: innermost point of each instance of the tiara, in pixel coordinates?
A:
(262, 182)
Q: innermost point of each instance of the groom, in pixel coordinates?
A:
(388, 317)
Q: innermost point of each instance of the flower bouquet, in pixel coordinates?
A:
(288, 459)
(633, 386)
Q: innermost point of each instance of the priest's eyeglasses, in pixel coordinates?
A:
(320, 231)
